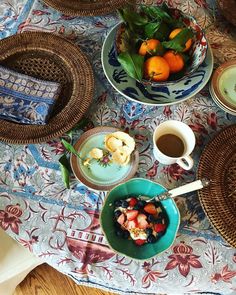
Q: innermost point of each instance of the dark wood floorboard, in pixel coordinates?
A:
(45, 280)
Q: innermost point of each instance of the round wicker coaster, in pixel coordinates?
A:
(218, 164)
(85, 7)
(49, 57)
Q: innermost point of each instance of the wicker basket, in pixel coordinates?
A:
(85, 7)
(49, 57)
(218, 164)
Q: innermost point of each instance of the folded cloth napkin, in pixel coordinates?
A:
(24, 99)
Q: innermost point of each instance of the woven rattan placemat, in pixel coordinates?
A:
(218, 164)
(85, 7)
(53, 58)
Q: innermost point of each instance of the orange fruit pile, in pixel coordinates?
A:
(158, 68)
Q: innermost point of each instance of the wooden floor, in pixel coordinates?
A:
(44, 280)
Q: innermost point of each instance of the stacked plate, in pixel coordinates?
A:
(223, 87)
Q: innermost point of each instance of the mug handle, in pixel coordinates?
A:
(189, 162)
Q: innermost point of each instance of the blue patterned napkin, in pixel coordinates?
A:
(24, 99)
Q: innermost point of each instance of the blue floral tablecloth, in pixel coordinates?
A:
(62, 225)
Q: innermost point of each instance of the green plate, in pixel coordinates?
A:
(100, 174)
(138, 186)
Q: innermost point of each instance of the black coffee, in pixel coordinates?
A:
(170, 145)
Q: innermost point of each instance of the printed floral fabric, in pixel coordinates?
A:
(61, 225)
(24, 99)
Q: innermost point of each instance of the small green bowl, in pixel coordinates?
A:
(135, 187)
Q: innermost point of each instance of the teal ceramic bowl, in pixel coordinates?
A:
(135, 187)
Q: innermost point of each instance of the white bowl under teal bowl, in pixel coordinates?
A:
(152, 95)
(136, 187)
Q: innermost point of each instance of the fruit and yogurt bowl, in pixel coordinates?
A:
(139, 220)
(134, 227)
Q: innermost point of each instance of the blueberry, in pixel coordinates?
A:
(151, 239)
(117, 213)
(124, 204)
(125, 234)
(117, 225)
(158, 220)
(150, 218)
(118, 203)
(141, 203)
(161, 215)
(136, 207)
(148, 231)
(119, 233)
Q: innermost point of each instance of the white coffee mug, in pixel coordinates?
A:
(173, 142)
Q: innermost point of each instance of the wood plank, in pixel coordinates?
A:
(45, 280)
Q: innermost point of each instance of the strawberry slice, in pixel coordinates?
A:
(131, 214)
(140, 242)
(132, 224)
(133, 202)
(150, 208)
(159, 227)
(121, 219)
(142, 222)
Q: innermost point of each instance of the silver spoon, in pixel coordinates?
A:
(189, 187)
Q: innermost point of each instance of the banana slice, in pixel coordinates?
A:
(112, 143)
(126, 139)
(121, 156)
(96, 153)
(120, 145)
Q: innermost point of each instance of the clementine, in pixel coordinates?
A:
(156, 68)
(148, 46)
(175, 32)
(174, 60)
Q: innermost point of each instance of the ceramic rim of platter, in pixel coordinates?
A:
(101, 174)
(152, 95)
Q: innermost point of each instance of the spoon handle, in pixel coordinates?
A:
(189, 187)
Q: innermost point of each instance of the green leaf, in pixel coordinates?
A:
(178, 43)
(132, 63)
(70, 148)
(165, 8)
(132, 18)
(162, 13)
(156, 12)
(150, 29)
(65, 168)
(163, 32)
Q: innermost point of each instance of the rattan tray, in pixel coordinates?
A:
(49, 57)
(218, 164)
(85, 7)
